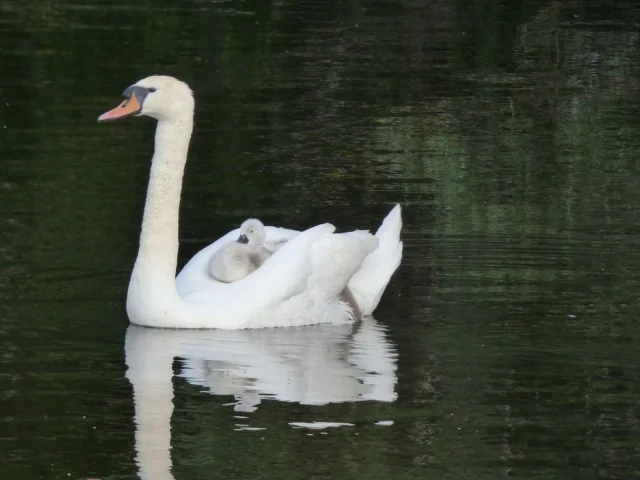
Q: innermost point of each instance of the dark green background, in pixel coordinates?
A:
(509, 131)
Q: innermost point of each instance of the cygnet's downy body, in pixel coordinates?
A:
(238, 259)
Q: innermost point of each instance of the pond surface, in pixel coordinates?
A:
(506, 344)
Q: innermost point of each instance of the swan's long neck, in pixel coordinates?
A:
(155, 267)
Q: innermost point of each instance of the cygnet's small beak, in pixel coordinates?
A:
(134, 98)
(243, 239)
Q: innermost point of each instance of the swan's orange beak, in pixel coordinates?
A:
(129, 107)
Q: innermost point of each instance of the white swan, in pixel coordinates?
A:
(301, 283)
(252, 233)
(238, 259)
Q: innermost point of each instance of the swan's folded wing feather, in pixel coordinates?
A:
(271, 245)
(287, 271)
(337, 257)
(194, 276)
(285, 275)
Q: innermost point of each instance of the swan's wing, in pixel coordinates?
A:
(274, 244)
(288, 270)
(284, 276)
(278, 239)
(336, 258)
(194, 276)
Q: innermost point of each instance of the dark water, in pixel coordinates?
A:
(506, 344)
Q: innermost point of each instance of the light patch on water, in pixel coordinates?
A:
(384, 423)
(320, 425)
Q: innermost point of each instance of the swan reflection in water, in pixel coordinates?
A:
(313, 365)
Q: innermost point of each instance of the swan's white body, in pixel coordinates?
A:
(236, 260)
(302, 282)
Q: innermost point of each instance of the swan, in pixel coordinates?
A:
(252, 232)
(238, 259)
(303, 280)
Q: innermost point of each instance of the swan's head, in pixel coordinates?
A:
(252, 232)
(160, 97)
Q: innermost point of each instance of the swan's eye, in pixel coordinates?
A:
(152, 89)
(251, 231)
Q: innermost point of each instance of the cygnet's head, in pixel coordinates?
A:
(158, 96)
(252, 232)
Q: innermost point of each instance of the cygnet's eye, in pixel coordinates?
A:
(152, 89)
(251, 231)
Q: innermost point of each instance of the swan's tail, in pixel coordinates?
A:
(369, 282)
